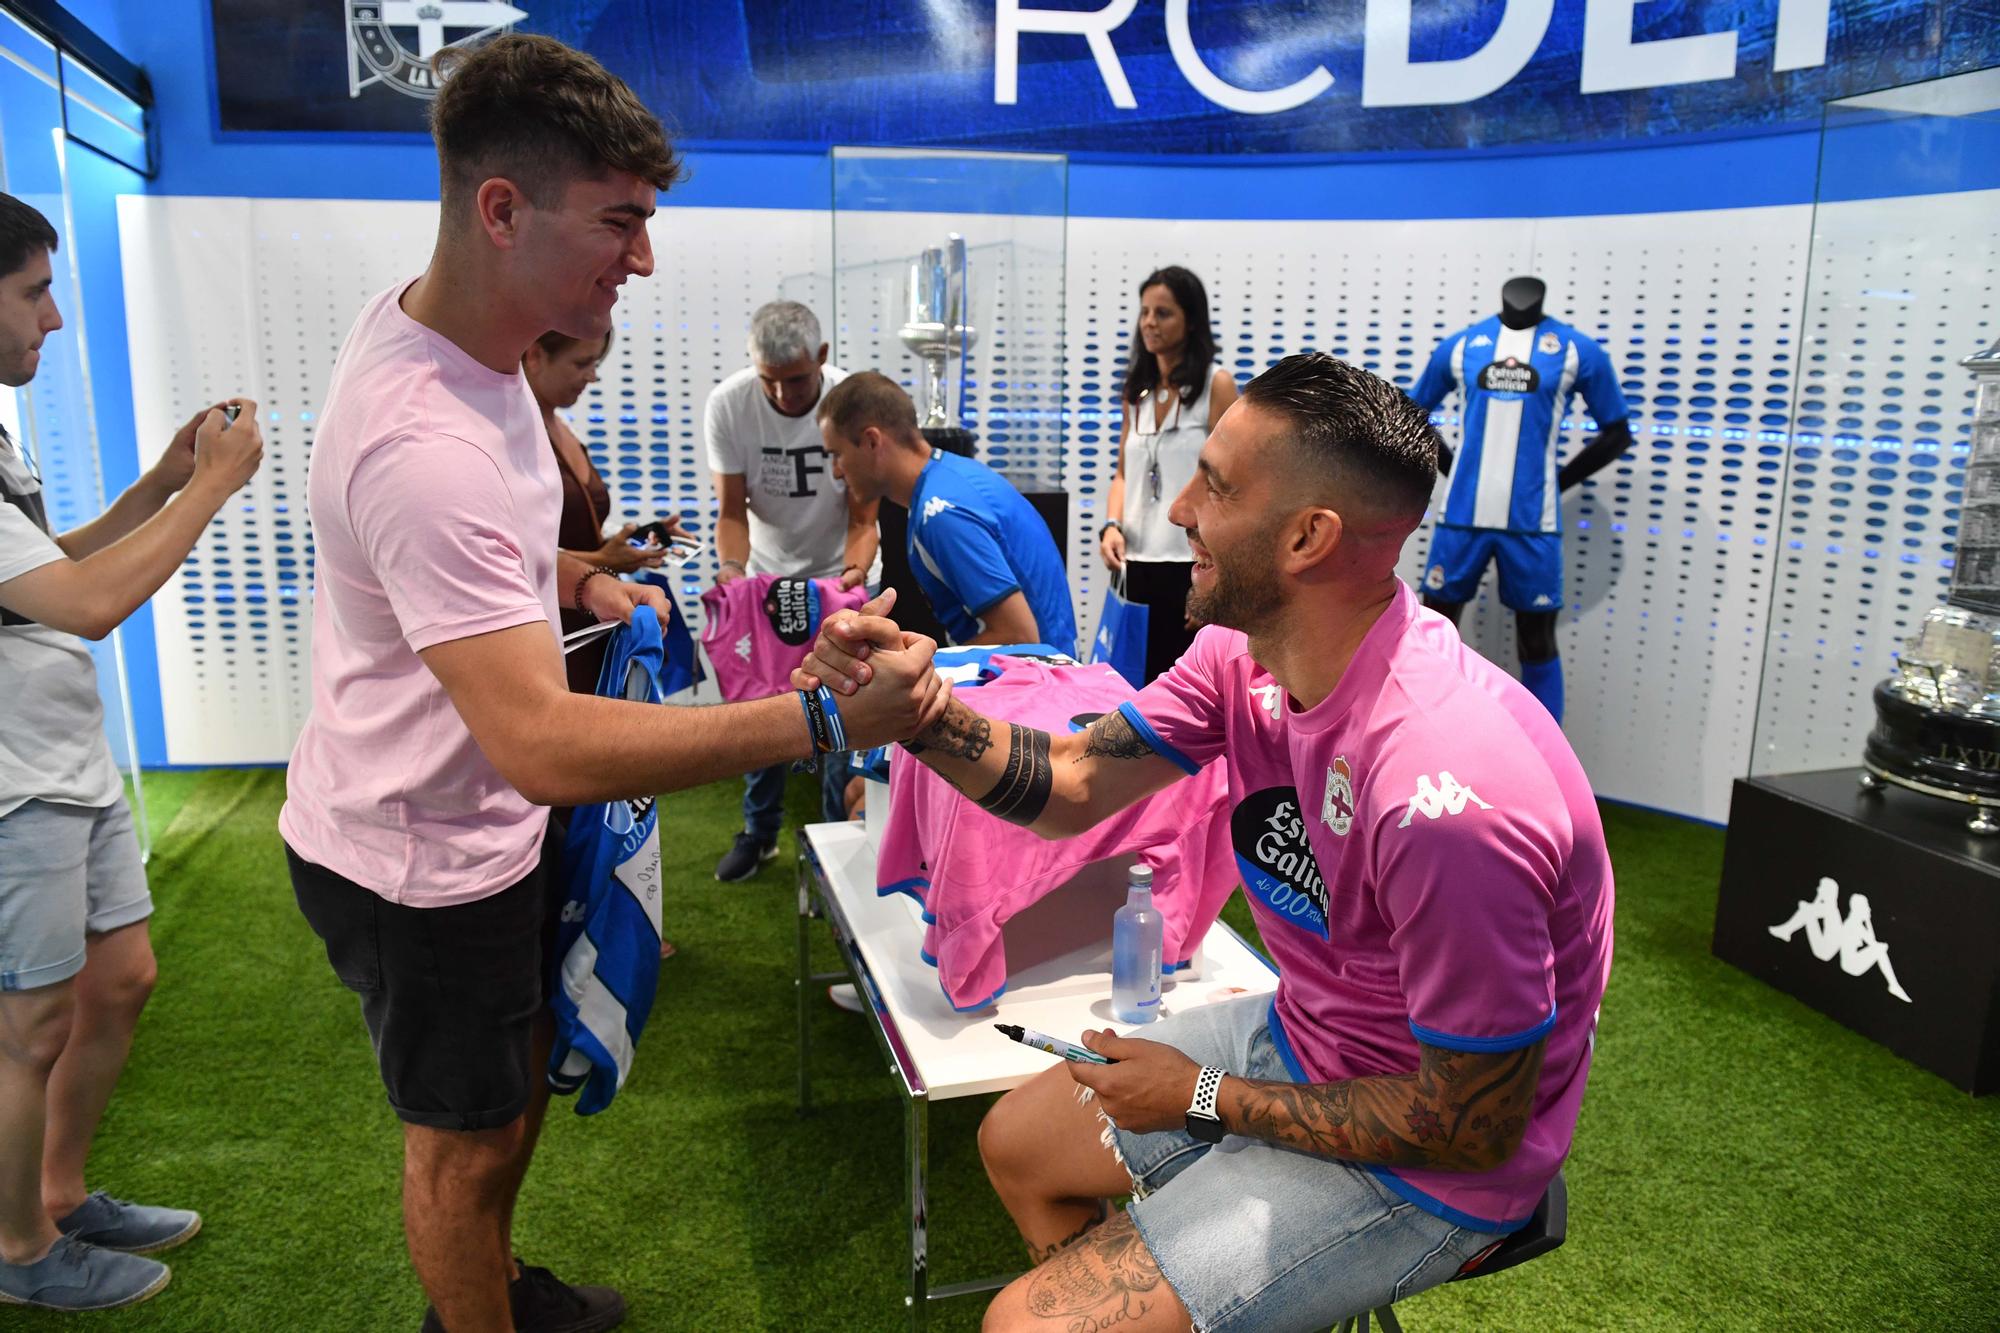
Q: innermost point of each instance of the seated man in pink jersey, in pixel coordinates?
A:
(1426, 866)
(442, 723)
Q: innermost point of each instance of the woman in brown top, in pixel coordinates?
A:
(559, 368)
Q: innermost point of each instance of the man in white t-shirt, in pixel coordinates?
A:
(784, 512)
(76, 963)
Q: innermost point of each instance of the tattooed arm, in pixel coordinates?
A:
(1461, 1111)
(1057, 786)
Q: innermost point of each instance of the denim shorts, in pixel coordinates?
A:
(66, 872)
(1254, 1236)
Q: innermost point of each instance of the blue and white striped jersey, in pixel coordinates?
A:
(1516, 384)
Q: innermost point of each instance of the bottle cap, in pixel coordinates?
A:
(1141, 877)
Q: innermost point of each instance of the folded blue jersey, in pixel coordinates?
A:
(682, 665)
(608, 940)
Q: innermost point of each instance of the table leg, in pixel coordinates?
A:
(803, 985)
(919, 1146)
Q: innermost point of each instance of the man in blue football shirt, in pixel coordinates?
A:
(978, 550)
(1515, 373)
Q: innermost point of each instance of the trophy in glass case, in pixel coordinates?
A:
(1937, 720)
(935, 328)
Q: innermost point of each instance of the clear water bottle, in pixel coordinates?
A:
(1135, 952)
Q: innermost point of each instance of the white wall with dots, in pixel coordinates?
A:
(1672, 553)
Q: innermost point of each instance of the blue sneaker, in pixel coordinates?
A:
(114, 1224)
(77, 1276)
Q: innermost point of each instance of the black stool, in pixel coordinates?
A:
(1546, 1230)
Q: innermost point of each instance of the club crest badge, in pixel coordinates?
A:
(1336, 809)
(390, 42)
(1549, 344)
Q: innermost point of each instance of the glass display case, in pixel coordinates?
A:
(948, 277)
(1883, 539)
(948, 271)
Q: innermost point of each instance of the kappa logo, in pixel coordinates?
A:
(743, 647)
(1336, 809)
(1271, 698)
(1447, 797)
(1850, 939)
(936, 505)
(376, 54)
(1481, 341)
(1549, 343)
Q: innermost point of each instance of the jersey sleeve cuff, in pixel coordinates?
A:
(1511, 1042)
(1152, 738)
(993, 601)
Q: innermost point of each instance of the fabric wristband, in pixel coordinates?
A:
(829, 734)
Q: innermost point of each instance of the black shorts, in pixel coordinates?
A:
(450, 994)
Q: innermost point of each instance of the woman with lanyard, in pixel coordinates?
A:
(1174, 394)
(558, 369)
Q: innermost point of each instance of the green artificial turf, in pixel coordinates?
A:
(1742, 1162)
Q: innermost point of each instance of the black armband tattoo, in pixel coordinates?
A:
(1023, 790)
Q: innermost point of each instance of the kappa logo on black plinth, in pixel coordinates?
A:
(378, 30)
(1850, 939)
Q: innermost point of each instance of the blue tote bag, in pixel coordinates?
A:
(1121, 633)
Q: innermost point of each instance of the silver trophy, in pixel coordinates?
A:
(934, 326)
(1937, 720)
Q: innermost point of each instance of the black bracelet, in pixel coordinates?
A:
(576, 596)
(1114, 523)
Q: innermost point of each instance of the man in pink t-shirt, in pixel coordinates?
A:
(1426, 866)
(442, 725)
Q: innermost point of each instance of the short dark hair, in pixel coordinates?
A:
(869, 398)
(24, 233)
(1358, 433)
(542, 114)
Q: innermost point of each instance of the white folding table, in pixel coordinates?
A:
(938, 1053)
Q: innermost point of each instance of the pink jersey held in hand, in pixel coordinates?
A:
(435, 500)
(758, 629)
(1425, 861)
(973, 872)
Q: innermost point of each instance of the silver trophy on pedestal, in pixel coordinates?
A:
(935, 327)
(1937, 720)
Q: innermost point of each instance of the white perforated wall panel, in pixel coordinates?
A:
(1900, 291)
(1670, 552)
(247, 296)
(1666, 550)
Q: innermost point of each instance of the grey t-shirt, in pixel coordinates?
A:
(52, 745)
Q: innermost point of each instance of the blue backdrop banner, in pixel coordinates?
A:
(1116, 78)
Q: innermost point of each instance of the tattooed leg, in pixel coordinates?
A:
(1106, 1280)
(1039, 1254)
(1041, 1150)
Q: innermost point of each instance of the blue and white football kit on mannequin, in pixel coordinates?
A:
(1504, 499)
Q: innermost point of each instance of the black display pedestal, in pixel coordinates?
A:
(1880, 895)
